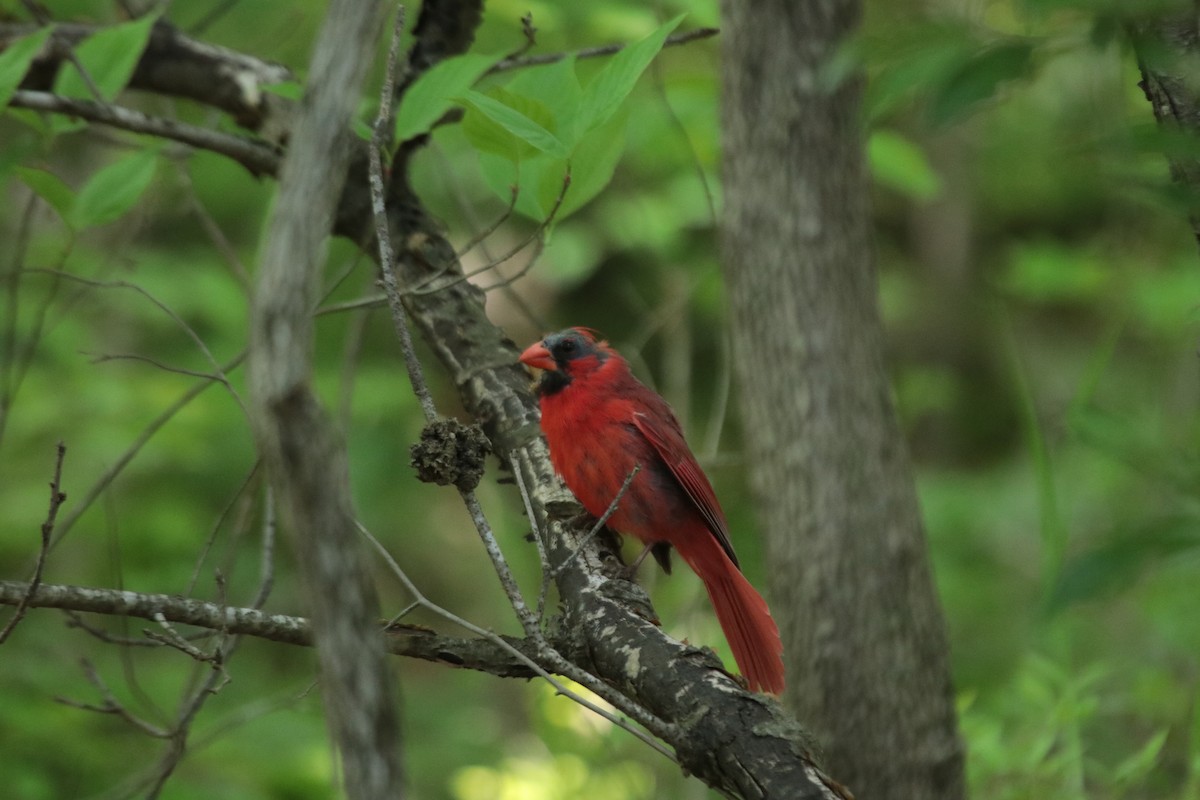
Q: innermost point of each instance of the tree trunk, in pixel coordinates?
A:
(865, 643)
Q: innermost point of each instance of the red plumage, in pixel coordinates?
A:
(600, 422)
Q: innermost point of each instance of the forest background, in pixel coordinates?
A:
(1039, 284)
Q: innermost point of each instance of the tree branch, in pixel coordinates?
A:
(259, 158)
(401, 640)
(741, 743)
(177, 65)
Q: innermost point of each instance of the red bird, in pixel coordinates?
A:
(600, 422)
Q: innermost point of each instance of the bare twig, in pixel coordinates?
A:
(171, 638)
(423, 602)
(178, 320)
(111, 705)
(216, 527)
(380, 136)
(374, 301)
(8, 340)
(257, 157)
(522, 62)
(475, 240)
(536, 237)
(608, 512)
(100, 358)
(38, 12)
(57, 497)
(147, 433)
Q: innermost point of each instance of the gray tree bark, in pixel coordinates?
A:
(849, 581)
(304, 454)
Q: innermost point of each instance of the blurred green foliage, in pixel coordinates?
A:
(1040, 288)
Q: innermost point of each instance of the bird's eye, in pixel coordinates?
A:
(567, 346)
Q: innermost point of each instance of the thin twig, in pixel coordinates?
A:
(480, 237)
(38, 12)
(178, 320)
(100, 358)
(266, 568)
(594, 52)
(374, 301)
(171, 638)
(543, 559)
(111, 704)
(608, 512)
(216, 527)
(535, 237)
(380, 136)
(57, 498)
(559, 687)
(123, 461)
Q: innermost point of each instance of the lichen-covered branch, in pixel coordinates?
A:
(401, 640)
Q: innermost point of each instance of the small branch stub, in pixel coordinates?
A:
(451, 453)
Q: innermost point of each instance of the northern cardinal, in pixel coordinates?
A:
(600, 421)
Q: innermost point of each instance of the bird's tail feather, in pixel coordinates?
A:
(743, 614)
(749, 629)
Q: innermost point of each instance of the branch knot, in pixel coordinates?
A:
(451, 452)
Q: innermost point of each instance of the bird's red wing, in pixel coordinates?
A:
(666, 438)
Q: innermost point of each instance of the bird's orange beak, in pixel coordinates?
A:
(536, 355)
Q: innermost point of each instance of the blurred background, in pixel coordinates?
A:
(1039, 283)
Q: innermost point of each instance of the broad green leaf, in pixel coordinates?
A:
(50, 188)
(898, 163)
(605, 92)
(109, 56)
(113, 190)
(518, 123)
(435, 91)
(913, 66)
(502, 173)
(1115, 565)
(555, 86)
(592, 165)
(979, 78)
(15, 61)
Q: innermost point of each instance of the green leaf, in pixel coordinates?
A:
(517, 123)
(1116, 564)
(50, 188)
(502, 173)
(555, 86)
(605, 92)
(435, 91)
(592, 165)
(979, 78)
(109, 56)
(290, 90)
(15, 61)
(113, 190)
(898, 163)
(488, 136)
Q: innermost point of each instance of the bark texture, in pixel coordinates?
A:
(1168, 52)
(304, 454)
(865, 642)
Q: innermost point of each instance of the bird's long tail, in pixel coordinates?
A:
(744, 617)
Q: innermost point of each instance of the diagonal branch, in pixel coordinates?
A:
(259, 158)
